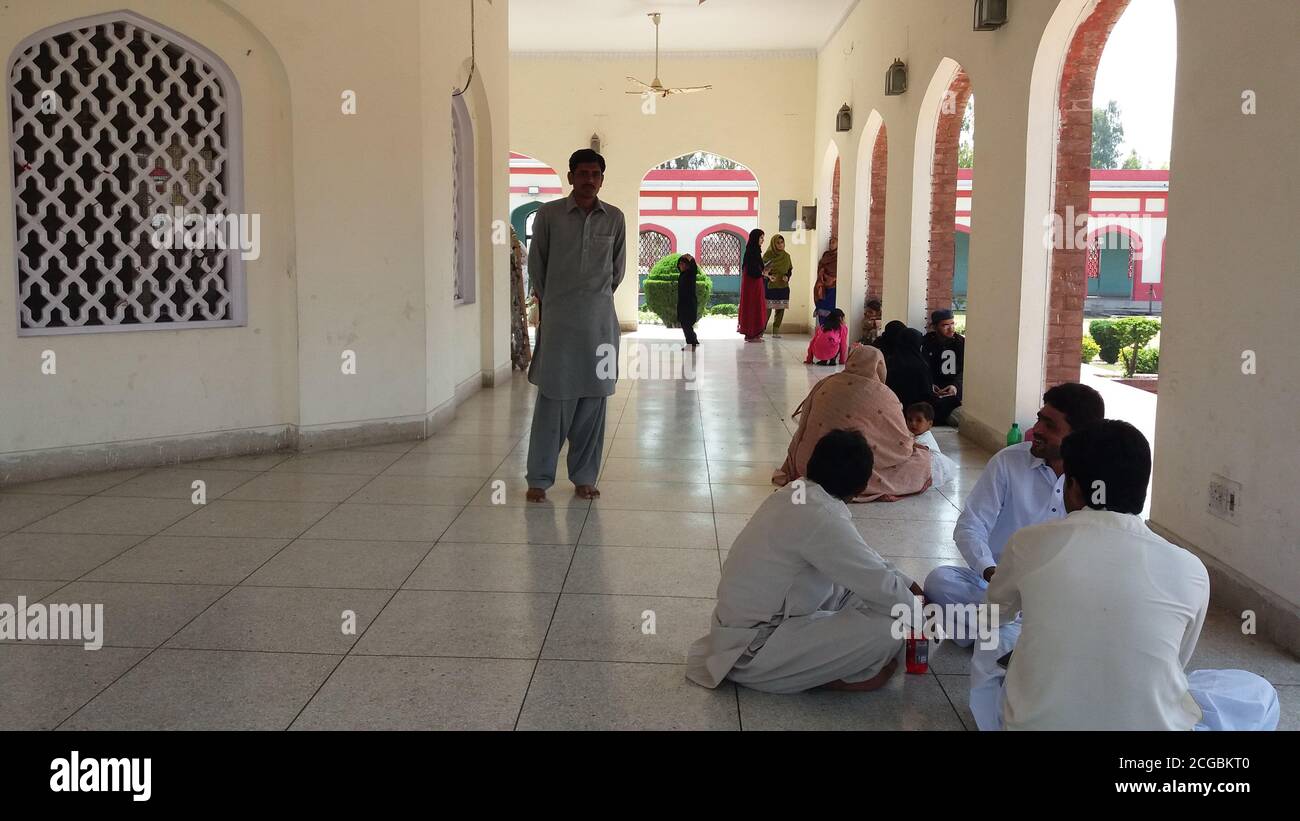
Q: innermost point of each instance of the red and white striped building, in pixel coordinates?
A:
(709, 213)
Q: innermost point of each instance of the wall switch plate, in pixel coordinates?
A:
(1225, 498)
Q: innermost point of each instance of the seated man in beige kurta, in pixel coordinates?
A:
(803, 601)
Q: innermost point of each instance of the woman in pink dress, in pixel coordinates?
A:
(752, 315)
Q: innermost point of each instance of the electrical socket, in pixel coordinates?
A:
(1225, 498)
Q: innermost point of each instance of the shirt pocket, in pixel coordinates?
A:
(602, 250)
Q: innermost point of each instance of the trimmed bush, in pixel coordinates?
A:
(724, 309)
(1090, 349)
(1103, 333)
(661, 290)
(1133, 333)
(1148, 360)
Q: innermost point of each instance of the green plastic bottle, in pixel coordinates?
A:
(1015, 436)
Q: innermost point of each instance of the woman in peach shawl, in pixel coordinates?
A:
(858, 399)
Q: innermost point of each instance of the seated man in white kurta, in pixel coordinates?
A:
(1111, 613)
(803, 601)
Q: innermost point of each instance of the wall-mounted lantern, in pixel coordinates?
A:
(844, 119)
(990, 15)
(896, 79)
(595, 143)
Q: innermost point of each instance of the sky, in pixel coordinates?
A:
(1137, 71)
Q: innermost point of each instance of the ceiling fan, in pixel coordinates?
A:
(657, 87)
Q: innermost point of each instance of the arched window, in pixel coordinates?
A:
(127, 180)
(720, 253)
(654, 246)
(462, 192)
(1110, 264)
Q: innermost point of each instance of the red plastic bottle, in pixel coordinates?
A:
(918, 653)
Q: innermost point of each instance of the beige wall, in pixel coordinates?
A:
(356, 226)
(135, 385)
(758, 113)
(1236, 281)
(1212, 419)
(852, 69)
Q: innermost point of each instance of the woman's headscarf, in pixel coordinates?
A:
(753, 259)
(909, 373)
(858, 399)
(892, 337)
(780, 259)
(686, 280)
(828, 268)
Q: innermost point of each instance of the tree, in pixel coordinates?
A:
(1107, 134)
(1133, 333)
(966, 141)
(700, 160)
(1133, 162)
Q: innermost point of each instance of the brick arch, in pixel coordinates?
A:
(868, 232)
(876, 216)
(835, 201)
(1067, 279)
(934, 191)
(943, 195)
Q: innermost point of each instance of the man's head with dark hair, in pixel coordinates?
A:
(841, 463)
(1107, 467)
(874, 304)
(586, 174)
(1067, 407)
(586, 155)
(943, 323)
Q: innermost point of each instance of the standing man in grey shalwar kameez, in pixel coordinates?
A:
(575, 263)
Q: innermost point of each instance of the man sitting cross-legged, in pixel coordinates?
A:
(1111, 613)
(803, 601)
(1020, 486)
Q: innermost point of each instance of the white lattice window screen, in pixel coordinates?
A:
(720, 254)
(654, 246)
(113, 125)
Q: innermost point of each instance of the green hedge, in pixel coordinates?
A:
(1090, 349)
(1104, 334)
(725, 309)
(661, 289)
(1148, 360)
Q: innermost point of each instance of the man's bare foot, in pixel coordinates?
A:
(536, 494)
(874, 683)
(586, 492)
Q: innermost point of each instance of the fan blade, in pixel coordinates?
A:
(688, 89)
(643, 85)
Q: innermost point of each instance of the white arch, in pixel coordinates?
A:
(856, 281)
(927, 123)
(825, 200)
(825, 196)
(1040, 185)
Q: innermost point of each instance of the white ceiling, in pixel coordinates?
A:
(715, 25)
